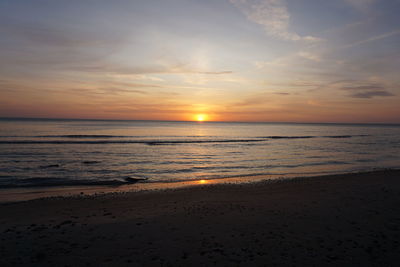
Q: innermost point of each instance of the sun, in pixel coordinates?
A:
(201, 117)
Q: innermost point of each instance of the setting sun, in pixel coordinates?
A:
(201, 117)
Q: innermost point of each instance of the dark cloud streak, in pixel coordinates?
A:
(59, 37)
(371, 94)
(367, 91)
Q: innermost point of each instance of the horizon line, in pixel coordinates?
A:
(281, 122)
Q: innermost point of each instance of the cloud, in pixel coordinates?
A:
(117, 90)
(374, 38)
(142, 71)
(273, 16)
(91, 89)
(216, 72)
(251, 101)
(58, 37)
(135, 77)
(363, 87)
(361, 5)
(309, 56)
(297, 60)
(367, 91)
(281, 93)
(371, 94)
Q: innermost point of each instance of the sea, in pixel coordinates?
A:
(60, 152)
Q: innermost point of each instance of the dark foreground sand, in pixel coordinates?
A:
(343, 220)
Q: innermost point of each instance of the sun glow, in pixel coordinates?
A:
(201, 117)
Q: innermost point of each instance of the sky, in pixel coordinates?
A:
(229, 60)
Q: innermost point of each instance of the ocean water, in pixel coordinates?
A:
(84, 152)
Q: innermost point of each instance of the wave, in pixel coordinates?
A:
(161, 142)
(56, 182)
(113, 139)
(67, 136)
(341, 136)
(310, 136)
(98, 136)
(82, 136)
(8, 182)
(287, 137)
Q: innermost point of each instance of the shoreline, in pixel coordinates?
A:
(17, 194)
(348, 220)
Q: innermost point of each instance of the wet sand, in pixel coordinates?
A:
(338, 220)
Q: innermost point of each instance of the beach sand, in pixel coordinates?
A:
(338, 220)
